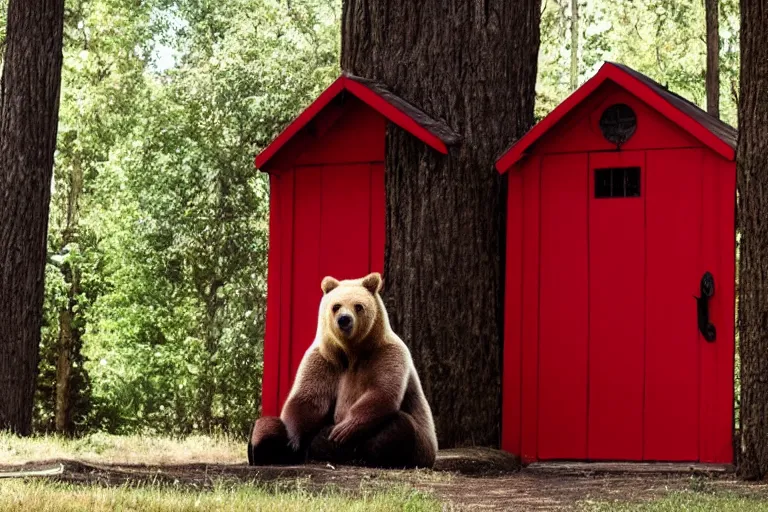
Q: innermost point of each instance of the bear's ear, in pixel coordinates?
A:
(329, 284)
(372, 283)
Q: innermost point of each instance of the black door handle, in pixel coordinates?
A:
(702, 306)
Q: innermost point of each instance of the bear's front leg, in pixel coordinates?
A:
(269, 444)
(372, 409)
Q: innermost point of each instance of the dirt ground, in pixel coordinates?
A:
(464, 479)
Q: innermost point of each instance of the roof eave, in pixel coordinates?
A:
(439, 139)
(634, 86)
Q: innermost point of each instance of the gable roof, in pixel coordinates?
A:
(710, 131)
(433, 133)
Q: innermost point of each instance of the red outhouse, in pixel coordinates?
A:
(327, 210)
(620, 263)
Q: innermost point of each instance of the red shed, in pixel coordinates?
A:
(327, 210)
(620, 215)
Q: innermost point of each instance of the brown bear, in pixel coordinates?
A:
(357, 398)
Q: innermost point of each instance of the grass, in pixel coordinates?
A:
(150, 450)
(392, 493)
(368, 490)
(107, 448)
(687, 501)
(53, 497)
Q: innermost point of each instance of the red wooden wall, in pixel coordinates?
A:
(602, 355)
(326, 218)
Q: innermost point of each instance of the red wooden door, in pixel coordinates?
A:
(622, 371)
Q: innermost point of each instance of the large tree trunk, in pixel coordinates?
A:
(753, 220)
(472, 64)
(713, 58)
(28, 124)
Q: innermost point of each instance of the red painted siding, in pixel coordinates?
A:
(511, 418)
(345, 221)
(531, 250)
(269, 391)
(327, 210)
(327, 217)
(332, 232)
(616, 316)
(717, 359)
(602, 355)
(687, 119)
(724, 306)
(378, 218)
(580, 131)
(307, 242)
(674, 213)
(318, 117)
(563, 309)
(356, 136)
(287, 184)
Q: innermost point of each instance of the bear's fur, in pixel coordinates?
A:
(357, 397)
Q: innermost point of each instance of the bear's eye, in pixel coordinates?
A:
(336, 308)
(359, 308)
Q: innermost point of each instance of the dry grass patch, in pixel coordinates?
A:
(135, 449)
(17, 496)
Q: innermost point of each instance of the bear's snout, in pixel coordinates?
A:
(345, 322)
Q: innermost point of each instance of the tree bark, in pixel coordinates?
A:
(472, 64)
(752, 163)
(575, 44)
(70, 334)
(713, 57)
(28, 126)
(69, 339)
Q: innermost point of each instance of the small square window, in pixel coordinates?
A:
(617, 182)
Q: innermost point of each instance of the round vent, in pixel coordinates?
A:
(618, 123)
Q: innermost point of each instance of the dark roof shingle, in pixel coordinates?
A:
(438, 128)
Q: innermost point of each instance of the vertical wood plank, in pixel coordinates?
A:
(616, 315)
(306, 264)
(673, 231)
(378, 219)
(345, 221)
(286, 285)
(269, 382)
(718, 257)
(511, 392)
(531, 185)
(563, 330)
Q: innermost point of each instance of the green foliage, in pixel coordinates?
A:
(101, 81)
(664, 39)
(169, 234)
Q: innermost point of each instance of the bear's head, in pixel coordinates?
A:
(351, 309)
